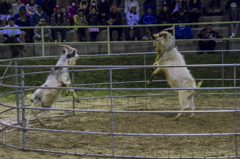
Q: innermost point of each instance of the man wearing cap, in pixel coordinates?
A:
(46, 32)
(233, 15)
(59, 19)
(37, 16)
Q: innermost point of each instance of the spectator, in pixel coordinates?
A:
(38, 2)
(16, 7)
(59, 19)
(48, 7)
(37, 16)
(93, 3)
(195, 10)
(93, 19)
(183, 4)
(164, 17)
(214, 7)
(118, 2)
(84, 6)
(148, 18)
(181, 16)
(150, 3)
(128, 5)
(183, 32)
(72, 10)
(22, 19)
(103, 12)
(173, 6)
(207, 33)
(46, 32)
(229, 2)
(31, 8)
(132, 18)
(80, 20)
(233, 15)
(5, 6)
(11, 36)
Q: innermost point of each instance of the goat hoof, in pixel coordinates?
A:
(66, 94)
(149, 82)
(77, 100)
(191, 117)
(176, 119)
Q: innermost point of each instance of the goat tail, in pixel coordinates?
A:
(199, 84)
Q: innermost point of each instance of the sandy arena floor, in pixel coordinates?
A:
(146, 123)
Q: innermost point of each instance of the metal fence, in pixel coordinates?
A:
(115, 140)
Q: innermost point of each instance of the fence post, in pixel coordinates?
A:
(108, 40)
(235, 107)
(145, 78)
(111, 110)
(43, 49)
(23, 108)
(73, 86)
(223, 76)
(17, 95)
(174, 36)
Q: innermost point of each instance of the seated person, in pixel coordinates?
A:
(128, 6)
(183, 32)
(22, 19)
(31, 8)
(46, 32)
(11, 36)
(207, 33)
(152, 4)
(233, 15)
(93, 19)
(80, 20)
(84, 6)
(48, 7)
(132, 18)
(93, 3)
(164, 17)
(148, 18)
(103, 11)
(115, 18)
(16, 6)
(37, 16)
(5, 6)
(214, 8)
(195, 11)
(59, 19)
(229, 2)
(72, 10)
(183, 4)
(181, 16)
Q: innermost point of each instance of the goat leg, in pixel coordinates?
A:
(75, 96)
(67, 92)
(157, 71)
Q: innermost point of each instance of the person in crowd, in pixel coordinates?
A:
(22, 19)
(103, 12)
(229, 2)
(132, 18)
(93, 3)
(84, 5)
(48, 7)
(80, 20)
(12, 36)
(183, 4)
(72, 10)
(115, 18)
(195, 10)
(214, 8)
(207, 33)
(164, 17)
(181, 16)
(148, 18)
(128, 5)
(31, 8)
(233, 15)
(5, 6)
(46, 32)
(59, 19)
(93, 19)
(152, 4)
(37, 16)
(118, 3)
(16, 6)
(183, 32)
(38, 2)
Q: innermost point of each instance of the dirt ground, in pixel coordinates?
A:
(145, 123)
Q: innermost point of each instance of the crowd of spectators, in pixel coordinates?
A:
(103, 12)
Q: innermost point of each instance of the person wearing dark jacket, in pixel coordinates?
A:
(35, 19)
(164, 17)
(104, 10)
(5, 6)
(207, 33)
(115, 18)
(152, 4)
(148, 18)
(23, 19)
(181, 16)
(195, 10)
(59, 19)
(84, 5)
(93, 19)
(229, 2)
(48, 7)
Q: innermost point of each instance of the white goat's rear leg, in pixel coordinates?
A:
(190, 101)
(183, 103)
(44, 113)
(67, 92)
(75, 96)
(28, 118)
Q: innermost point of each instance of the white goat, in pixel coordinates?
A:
(177, 77)
(59, 77)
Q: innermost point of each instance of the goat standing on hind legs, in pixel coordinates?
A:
(177, 77)
(59, 77)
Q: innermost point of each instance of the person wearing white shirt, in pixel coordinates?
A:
(128, 5)
(132, 18)
(16, 7)
(11, 36)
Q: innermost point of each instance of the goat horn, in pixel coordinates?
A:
(65, 46)
(169, 28)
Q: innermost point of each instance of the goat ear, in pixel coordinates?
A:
(65, 49)
(155, 35)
